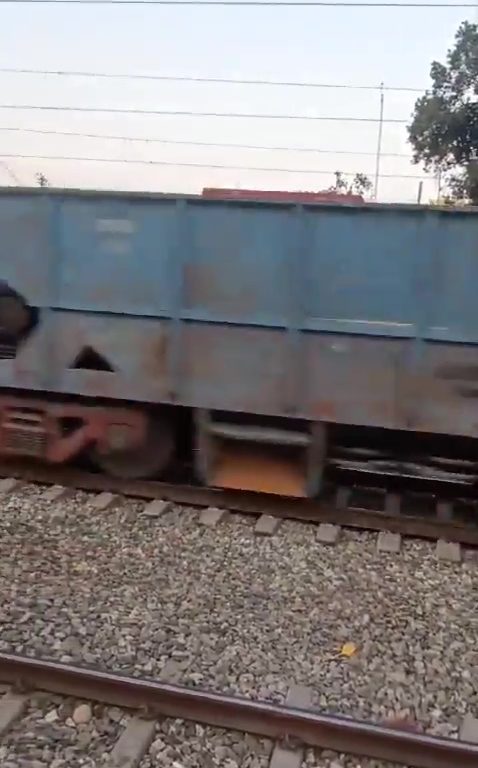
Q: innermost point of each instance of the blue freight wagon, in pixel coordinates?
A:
(265, 322)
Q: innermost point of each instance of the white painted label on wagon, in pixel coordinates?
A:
(115, 226)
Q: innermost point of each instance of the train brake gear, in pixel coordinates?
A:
(56, 432)
(251, 457)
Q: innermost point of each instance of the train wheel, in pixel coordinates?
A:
(14, 316)
(141, 461)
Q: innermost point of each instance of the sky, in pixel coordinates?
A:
(357, 46)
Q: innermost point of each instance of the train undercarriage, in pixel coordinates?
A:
(236, 451)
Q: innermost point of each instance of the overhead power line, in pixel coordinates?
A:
(191, 143)
(188, 113)
(171, 164)
(244, 3)
(215, 80)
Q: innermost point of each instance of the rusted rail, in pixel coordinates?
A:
(265, 719)
(310, 510)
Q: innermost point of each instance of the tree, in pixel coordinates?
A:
(41, 180)
(444, 127)
(360, 185)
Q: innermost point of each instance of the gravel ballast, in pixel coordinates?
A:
(52, 734)
(221, 608)
(327, 759)
(190, 745)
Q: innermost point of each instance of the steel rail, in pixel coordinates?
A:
(247, 502)
(274, 721)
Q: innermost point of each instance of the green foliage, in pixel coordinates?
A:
(444, 127)
(360, 185)
(42, 180)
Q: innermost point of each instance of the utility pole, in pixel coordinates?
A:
(379, 142)
(439, 185)
(420, 191)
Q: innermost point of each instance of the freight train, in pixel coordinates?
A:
(261, 328)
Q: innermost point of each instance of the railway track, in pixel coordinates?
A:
(59, 539)
(147, 700)
(434, 514)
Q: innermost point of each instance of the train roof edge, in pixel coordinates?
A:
(327, 202)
